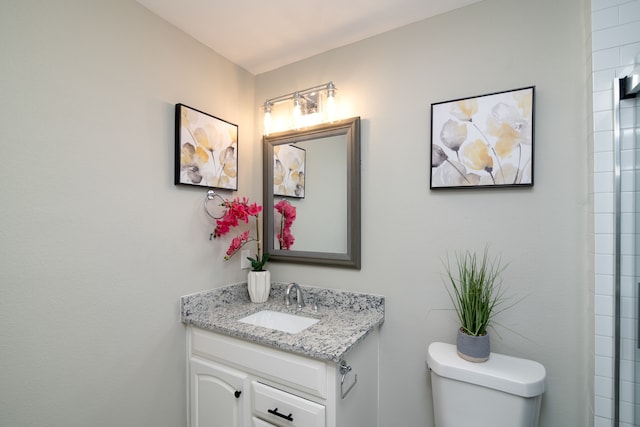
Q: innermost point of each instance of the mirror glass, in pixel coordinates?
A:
(316, 170)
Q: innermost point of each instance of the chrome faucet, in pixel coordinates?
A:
(299, 298)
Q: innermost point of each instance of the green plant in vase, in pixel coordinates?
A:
(476, 292)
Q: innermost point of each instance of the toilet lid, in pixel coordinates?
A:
(505, 373)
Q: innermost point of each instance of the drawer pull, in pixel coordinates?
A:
(237, 394)
(275, 412)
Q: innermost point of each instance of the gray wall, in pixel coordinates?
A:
(98, 245)
(390, 81)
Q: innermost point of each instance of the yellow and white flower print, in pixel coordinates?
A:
(486, 140)
(208, 151)
(288, 170)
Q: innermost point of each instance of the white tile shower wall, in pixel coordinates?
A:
(615, 45)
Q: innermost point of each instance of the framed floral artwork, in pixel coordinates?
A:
(483, 141)
(206, 150)
(289, 164)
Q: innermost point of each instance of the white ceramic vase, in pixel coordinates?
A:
(259, 285)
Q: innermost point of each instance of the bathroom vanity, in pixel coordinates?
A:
(244, 374)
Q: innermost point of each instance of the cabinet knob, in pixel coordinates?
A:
(237, 393)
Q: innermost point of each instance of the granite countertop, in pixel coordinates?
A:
(345, 318)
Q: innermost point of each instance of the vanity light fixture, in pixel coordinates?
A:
(316, 100)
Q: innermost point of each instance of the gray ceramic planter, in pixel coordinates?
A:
(471, 348)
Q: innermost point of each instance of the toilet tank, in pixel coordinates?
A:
(504, 391)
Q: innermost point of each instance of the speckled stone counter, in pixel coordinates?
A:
(345, 318)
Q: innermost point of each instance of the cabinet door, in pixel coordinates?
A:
(218, 395)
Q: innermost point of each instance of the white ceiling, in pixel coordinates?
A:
(262, 35)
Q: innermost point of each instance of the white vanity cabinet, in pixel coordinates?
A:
(233, 382)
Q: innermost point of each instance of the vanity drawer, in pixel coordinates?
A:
(300, 372)
(286, 409)
(257, 422)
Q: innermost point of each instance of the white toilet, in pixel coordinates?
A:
(501, 392)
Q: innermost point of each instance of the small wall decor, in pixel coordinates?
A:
(483, 141)
(206, 150)
(289, 163)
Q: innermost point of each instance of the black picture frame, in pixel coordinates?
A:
(206, 150)
(484, 141)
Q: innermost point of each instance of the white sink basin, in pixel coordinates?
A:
(284, 322)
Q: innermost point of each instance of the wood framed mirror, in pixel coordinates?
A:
(317, 170)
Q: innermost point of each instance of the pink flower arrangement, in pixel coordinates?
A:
(237, 211)
(287, 216)
(240, 210)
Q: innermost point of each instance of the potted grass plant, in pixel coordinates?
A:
(477, 294)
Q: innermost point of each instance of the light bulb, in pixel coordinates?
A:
(331, 102)
(267, 123)
(297, 110)
(331, 109)
(267, 118)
